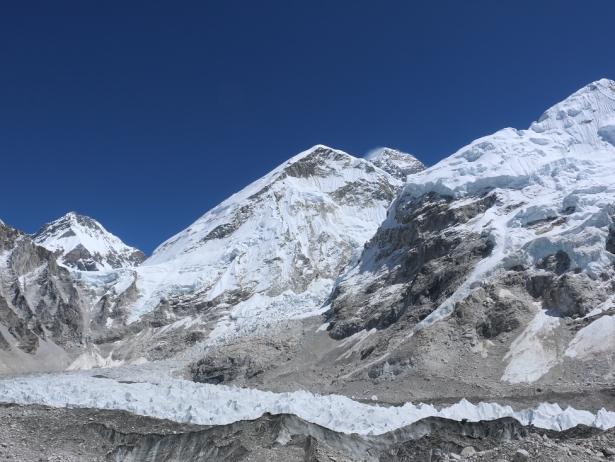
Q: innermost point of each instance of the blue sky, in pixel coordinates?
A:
(146, 114)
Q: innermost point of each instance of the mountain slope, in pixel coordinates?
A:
(82, 243)
(270, 253)
(498, 258)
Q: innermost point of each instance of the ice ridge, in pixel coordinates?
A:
(184, 401)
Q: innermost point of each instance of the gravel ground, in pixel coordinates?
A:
(40, 433)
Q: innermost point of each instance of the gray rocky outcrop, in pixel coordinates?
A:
(414, 262)
(39, 300)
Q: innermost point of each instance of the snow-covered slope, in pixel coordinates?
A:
(279, 244)
(267, 254)
(397, 163)
(82, 243)
(515, 230)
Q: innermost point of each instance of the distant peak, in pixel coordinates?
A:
(72, 219)
(376, 153)
(386, 152)
(396, 163)
(82, 243)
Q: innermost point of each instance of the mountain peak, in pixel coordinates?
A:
(80, 242)
(397, 163)
(586, 113)
(277, 246)
(573, 140)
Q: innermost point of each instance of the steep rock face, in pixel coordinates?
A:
(511, 235)
(420, 263)
(82, 243)
(397, 163)
(40, 304)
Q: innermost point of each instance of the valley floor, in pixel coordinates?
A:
(304, 404)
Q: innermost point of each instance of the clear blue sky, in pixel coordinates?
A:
(146, 114)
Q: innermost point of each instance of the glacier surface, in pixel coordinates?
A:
(184, 401)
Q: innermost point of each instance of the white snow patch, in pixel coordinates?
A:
(92, 360)
(594, 339)
(534, 352)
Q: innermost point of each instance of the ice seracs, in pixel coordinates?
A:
(205, 404)
(82, 243)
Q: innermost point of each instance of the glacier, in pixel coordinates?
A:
(183, 401)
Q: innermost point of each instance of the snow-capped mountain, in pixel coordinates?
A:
(267, 254)
(499, 248)
(509, 239)
(489, 275)
(397, 163)
(82, 243)
(279, 244)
